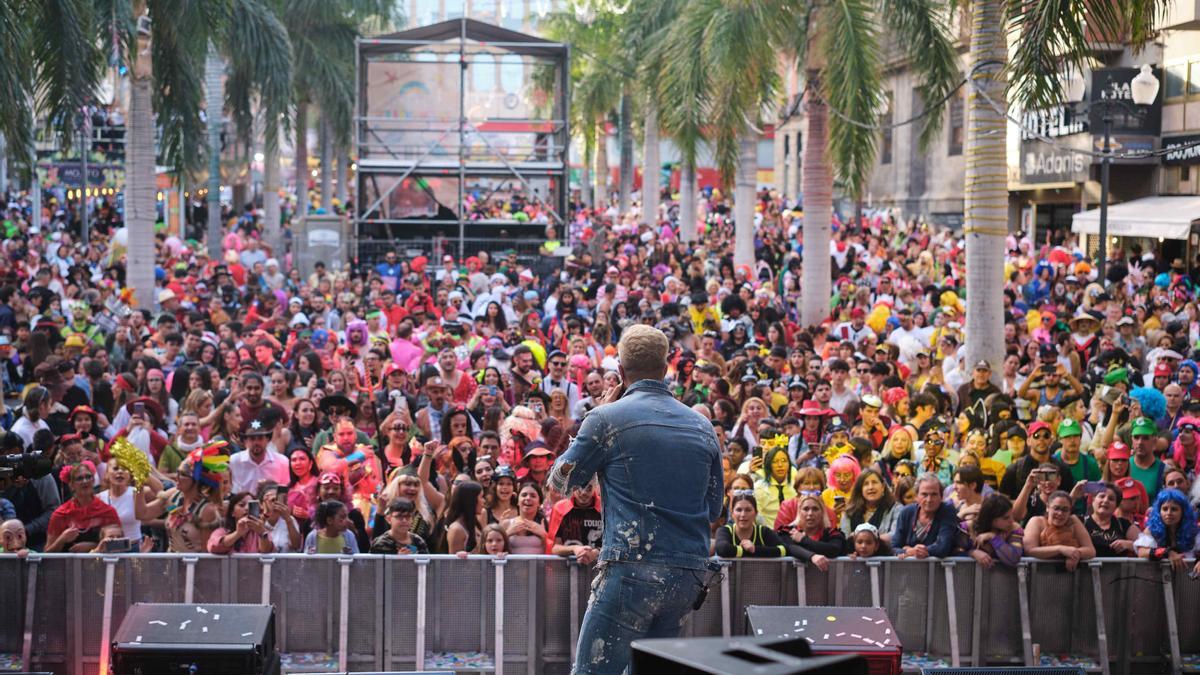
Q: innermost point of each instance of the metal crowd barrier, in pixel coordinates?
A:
(58, 611)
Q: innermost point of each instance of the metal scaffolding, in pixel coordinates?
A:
(450, 117)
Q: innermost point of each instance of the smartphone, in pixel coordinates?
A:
(255, 509)
(757, 452)
(492, 389)
(1093, 487)
(121, 545)
(838, 501)
(281, 493)
(139, 409)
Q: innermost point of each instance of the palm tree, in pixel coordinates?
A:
(322, 34)
(725, 74)
(1052, 33)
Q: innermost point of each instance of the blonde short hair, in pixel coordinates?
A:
(642, 349)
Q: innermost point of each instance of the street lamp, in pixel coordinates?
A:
(1143, 90)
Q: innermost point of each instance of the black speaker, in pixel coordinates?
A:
(1007, 670)
(737, 656)
(171, 639)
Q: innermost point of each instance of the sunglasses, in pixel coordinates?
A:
(1041, 435)
(810, 493)
(85, 477)
(742, 493)
(399, 427)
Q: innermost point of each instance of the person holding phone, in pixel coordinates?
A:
(243, 529)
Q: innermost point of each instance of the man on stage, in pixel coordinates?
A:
(660, 485)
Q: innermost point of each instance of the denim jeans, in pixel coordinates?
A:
(632, 601)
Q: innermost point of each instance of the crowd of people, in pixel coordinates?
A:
(416, 406)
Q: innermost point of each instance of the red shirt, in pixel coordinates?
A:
(72, 514)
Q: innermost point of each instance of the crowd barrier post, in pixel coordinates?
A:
(976, 616)
(1023, 597)
(422, 579)
(110, 570)
(573, 565)
(189, 579)
(31, 580)
(726, 609)
(267, 562)
(1168, 586)
(951, 612)
(344, 564)
(876, 593)
(498, 612)
(1101, 630)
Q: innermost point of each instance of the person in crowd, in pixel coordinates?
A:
(464, 521)
(866, 542)
(1059, 535)
(258, 463)
(1170, 532)
(399, 538)
(1112, 535)
(995, 534)
(278, 518)
(871, 501)
(928, 528)
(744, 536)
(812, 535)
(332, 531)
(191, 507)
(502, 498)
(242, 530)
(526, 531)
(76, 524)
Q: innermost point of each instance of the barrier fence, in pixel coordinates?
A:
(369, 612)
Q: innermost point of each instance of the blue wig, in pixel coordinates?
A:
(1185, 535)
(1154, 404)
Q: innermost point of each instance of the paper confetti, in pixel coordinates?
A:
(831, 618)
(138, 639)
(826, 636)
(216, 617)
(201, 610)
(156, 622)
(204, 629)
(247, 634)
(184, 624)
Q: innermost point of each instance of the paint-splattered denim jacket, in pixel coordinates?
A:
(660, 476)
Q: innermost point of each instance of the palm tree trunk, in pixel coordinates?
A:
(271, 217)
(687, 200)
(817, 180)
(650, 171)
(986, 207)
(343, 175)
(601, 172)
(743, 200)
(326, 166)
(214, 84)
(626, 159)
(301, 155)
(139, 180)
(585, 173)
(3, 165)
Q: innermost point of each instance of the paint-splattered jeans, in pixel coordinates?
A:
(632, 601)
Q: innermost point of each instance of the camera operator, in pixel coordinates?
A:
(31, 489)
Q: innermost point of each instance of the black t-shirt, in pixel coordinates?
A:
(386, 544)
(1103, 539)
(581, 525)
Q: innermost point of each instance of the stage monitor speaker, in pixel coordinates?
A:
(176, 639)
(737, 656)
(1007, 670)
(834, 630)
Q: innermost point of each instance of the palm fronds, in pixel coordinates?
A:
(851, 82)
(16, 74)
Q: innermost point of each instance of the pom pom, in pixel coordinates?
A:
(132, 459)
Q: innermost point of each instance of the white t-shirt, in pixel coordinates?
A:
(123, 505)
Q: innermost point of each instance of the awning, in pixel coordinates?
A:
(1166, 217)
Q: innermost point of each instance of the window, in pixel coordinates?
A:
(885, 120)
(957, 124)
(483, 72)
(1176, 81)
(512, 73)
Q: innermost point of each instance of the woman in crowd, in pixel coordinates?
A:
(995, 535)
(744, 536)
(526, 532)
(967, 493)
(812, 537)
(1112, 536)
(302, 486)
(502, 498)
(773, 485)
(809, 480)
(278, 519)
(871, 502)
(242, 530)
(304, 424)
(190, 507)
(118, 493)
(463, 517)
(1170, 532)
(1058, 534)
(76, 525)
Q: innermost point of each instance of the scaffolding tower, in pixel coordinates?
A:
(460, 133)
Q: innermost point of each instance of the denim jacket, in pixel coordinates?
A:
(660, 476)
